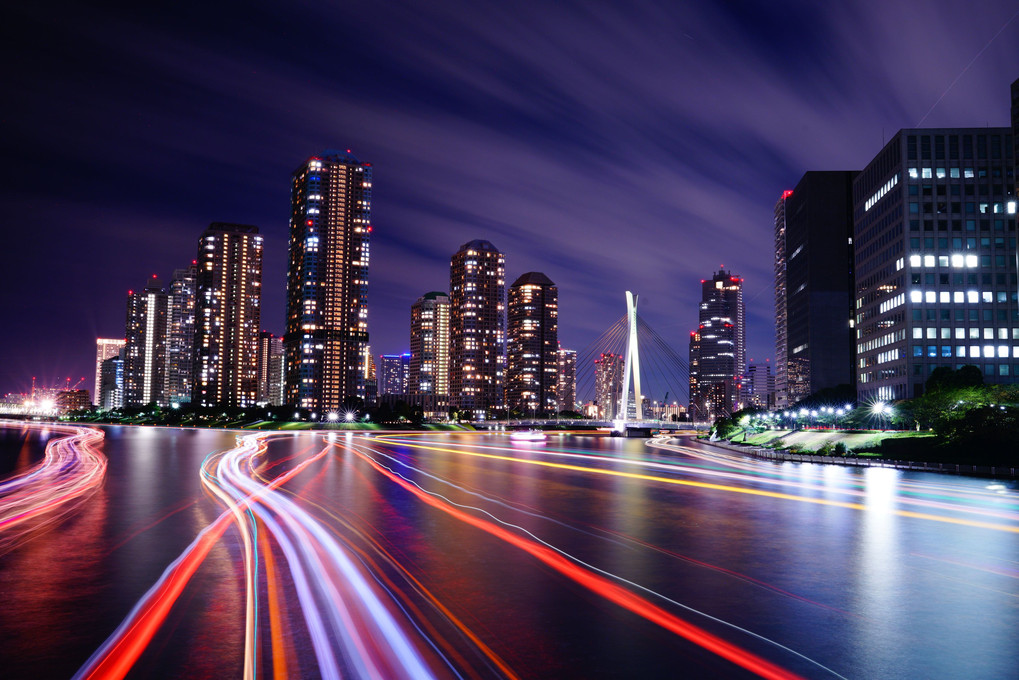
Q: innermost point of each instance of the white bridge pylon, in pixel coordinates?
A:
(632, 364)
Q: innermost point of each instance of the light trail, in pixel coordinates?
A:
(596, 582)
(715, 487)
(351, 628)
(72, 468)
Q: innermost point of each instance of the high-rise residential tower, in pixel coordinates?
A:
(477, 328)
(227, 315)
(781, 319)
(608, 385)
(327, 282)
(270, 369)
(532, 352)
(180, 334)
(429, 345)
(819, 284)
(566, 391)
(720, 348)
(935, 246)
(145, 346)
(106, 348)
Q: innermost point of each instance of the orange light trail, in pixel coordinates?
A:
(599, 584)
(712, 486)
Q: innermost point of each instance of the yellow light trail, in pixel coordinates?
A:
(711, 486)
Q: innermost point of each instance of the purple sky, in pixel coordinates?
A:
(629, 147)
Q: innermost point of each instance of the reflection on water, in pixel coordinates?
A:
(869, 573)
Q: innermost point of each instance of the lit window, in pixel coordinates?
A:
(914, 260)
(988, 351)
(945, 296)
(958, 260)
(928, 260)
(971, 261)
(915, 296)
(959, 296)
(930, 296)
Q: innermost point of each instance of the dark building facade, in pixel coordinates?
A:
(935, 247)
(532, 352)
(477, 279)
(327, 283)
(781, 320)
(819, 284)
(227, 315)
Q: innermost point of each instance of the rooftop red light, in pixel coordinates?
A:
(787, 193)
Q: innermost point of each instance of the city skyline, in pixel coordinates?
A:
(129, 182)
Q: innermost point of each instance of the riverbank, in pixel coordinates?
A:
(854, 459)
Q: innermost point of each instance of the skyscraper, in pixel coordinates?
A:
(145, 346)
(106, 348)
(935, 246)
(270, 369)
(429, 345)
(532, 354)
(180, 334)
(566, 392)
(477, 328)
(327, 282)
(819, 284)
(781, 320)
(608, 385)
(228, 314)
(719, 352)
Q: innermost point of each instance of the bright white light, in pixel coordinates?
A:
(915, 296)
(928, 260)
(333, 415)
(349, 416)
(958, 260)
(914, 260)
(971, 261)
(877, 408)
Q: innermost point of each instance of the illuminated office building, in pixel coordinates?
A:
(532, 352)
(477, 328)
(935, 243)
(393, 373)
(227, 315)
(327, 283)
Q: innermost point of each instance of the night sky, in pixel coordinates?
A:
(627, 146)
